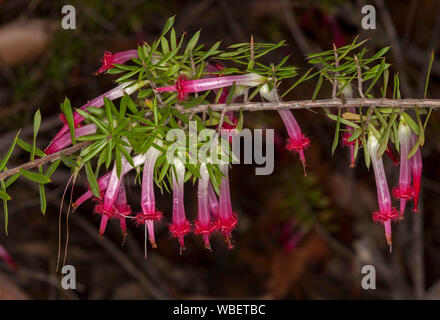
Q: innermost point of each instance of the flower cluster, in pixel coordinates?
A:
(175, 88)
(409, 167)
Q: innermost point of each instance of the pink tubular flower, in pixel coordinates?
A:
(149, 213)
(120, 211)
(350, 144)
(112, 190)
(98, 102)
(123, 209)
(386, 212)
(110, 59)
(404, 192)
(65, 140)
(416, 169)
(103, 182)
(227, 219)
(184, 86)
(213, 201)
(180, 226)
(297, 140)
(204, 225)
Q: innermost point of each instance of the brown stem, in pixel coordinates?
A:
(309, 104)
(41, 161)
(254, 106)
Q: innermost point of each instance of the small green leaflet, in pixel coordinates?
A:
(35, 177)
(66, 108)
(91, 178)
(37, 123)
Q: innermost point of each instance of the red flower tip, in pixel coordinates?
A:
(407, 194)
(392, 156)
(105, 216)
(345, 138)
(63, 119)
(205, 230)
(107, 63)
(124, 210)
(99, 209)
(299, 145)
(181, 93)
(179, 230)
(226, 226)
(383, 217)
(141, 218)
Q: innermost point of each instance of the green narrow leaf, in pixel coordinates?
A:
(168, 24)
(68, 162)
(192, 43)
(4, 195)
(411, 123)
(9, 153)
(303, 77)
(118, 157)
(91, 178)
(42, 193)
(431, 60)
(11, 180)
(377, 76)
(108, 154)
(366, 154)
(66, 108)
(421, 134)
(54, 165)
(35, 177)
(43, 202)
(108, 113)
(336, 137)
(318, 86)
(5, 205)
(385, 136)
(27, 147)
(37, 123)
(164, 171)
(126, 154)
(173, 42)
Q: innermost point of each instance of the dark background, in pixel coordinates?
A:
(298, 238)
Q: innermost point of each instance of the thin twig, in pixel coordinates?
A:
(335, 81)
(254, 106)
(328, 103)
(46, 159)
(359, 78)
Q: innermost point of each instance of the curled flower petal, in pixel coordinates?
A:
(110, 59)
